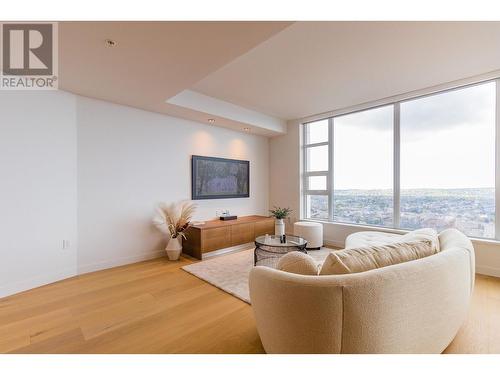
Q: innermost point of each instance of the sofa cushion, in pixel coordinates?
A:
(362, 259)
(370, 238)
(298, 262)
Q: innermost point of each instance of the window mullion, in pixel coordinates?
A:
(310, 145)
(303, 208)
(396, 207)
(315, 173)
(330, 169)
(497, 160)
(315, 192)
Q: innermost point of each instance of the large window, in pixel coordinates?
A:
(363, 165)
(423, 162)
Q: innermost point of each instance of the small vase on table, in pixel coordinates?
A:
(280, 214)
(279, 227)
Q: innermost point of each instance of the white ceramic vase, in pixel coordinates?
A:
(174, 248)
(279, 227)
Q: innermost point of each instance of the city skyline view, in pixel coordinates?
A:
(470, 210)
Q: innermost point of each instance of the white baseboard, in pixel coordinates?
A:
(86, 268)
(21, 286)
(488, 271)
(227, 250)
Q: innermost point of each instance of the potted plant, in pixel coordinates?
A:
(280, 214)
(174, 219)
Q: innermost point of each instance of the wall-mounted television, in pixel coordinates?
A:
(216, 178)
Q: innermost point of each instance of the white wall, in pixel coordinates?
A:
(37, 189)
(74, 168)
(129, 160)
(285, 191)
(284, 178)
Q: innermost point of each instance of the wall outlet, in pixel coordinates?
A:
(66, 244)
(218, 212)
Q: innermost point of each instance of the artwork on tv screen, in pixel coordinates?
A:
(215, 178)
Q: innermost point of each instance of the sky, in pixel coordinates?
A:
(447, 141)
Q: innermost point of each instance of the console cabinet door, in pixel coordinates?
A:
(264, 227)
(242, 233)
(216, 238)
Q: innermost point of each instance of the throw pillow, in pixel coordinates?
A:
(298, 262)
(367, 258)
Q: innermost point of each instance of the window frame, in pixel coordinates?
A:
(328, 173)
(396, 103)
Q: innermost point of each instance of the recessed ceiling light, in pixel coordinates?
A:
(211, 120)
(110, 43)
(246, 129)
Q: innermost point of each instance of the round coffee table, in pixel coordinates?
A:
(269, 249)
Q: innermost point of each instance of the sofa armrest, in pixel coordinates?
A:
(296, 313)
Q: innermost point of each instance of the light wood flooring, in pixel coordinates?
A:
(155, 307)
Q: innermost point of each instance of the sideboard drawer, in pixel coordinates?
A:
(216, 238)
(242, 233)
(264, 227)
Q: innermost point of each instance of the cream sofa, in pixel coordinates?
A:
(412, 307)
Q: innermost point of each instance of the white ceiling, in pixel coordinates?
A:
(153, 61)
(284, 70)
(218, 108)
(315, 67)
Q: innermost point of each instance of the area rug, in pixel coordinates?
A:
(230, 272)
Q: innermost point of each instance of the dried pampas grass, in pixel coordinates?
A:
(174, 218)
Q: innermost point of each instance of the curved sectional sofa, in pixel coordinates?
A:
(412, 307)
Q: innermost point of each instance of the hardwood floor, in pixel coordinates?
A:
(481, 331)
(155, 307)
